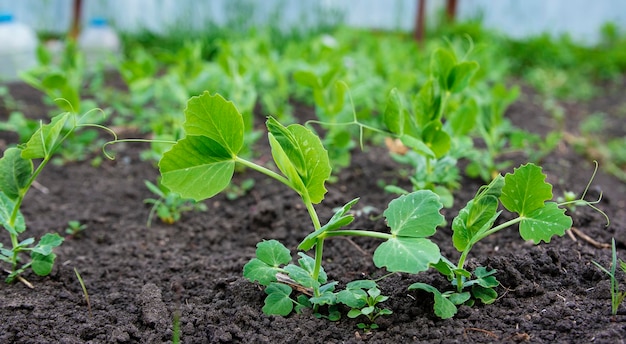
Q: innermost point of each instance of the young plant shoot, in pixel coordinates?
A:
(202, 164)
(17, 175)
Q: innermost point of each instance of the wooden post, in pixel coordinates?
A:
(451, 10)
(75, 26)
(419, 21)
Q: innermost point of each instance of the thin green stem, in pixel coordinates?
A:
(357, 232)
(474, 240)
(264, 170)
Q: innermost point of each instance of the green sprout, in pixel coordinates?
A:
(617, 296)
(169, 206)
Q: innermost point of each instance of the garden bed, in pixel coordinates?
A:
(139, 277)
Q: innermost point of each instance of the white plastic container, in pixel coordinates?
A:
(99, 43)
(18, 44)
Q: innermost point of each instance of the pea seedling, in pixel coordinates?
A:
(202, 164)
(17, 175)
(617, 296)
(524, 192)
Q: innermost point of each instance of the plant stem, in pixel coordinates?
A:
(265, 171)
(474, 240)
(357, 232)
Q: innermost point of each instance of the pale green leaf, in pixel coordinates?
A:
(216, 118)
(436, 138)
(6, 209)
(525, 190)
(463, 120)
(273, 253)
(45, 139)
(301, 276)
(306, 154)
(441, 64)
(443, 307)
(257, 270)
(15, 172)
(42, 264)
(339, 220)
(278, 301)
(460, 75)
(472, 219)
(196, 167)
(414, 215)
(393, 117)
(47, 243)
(406, 254)
(544, 223)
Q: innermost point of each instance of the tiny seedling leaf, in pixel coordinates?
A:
(338, 220)
(301, 276)
(485, 295)
(15, 172)
(197, 167)
(443, 307)
(214, 117)
(273, 253)
(270, 255)
(42, 264)
(6, 209)
(525, 190)
(47, 243)
(278, 301)
(545, 222)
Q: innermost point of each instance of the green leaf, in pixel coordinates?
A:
(525, 190)
(197, 167)
(308, 79)
(6, 209)
(270, 255)
(545, 222)
(406, 254)
(305, 154)
(216, 118)
(442, 62)
(339, 220)
(426, 106)
(464, 119)
(48, 242)
(302, 276)
(443, 307)
(460, 76)
(393, 117)
(414, 215)
(436, 138)
(42, 264)
(15, 172)
(278, 301)
(418, 146)
(485, 295)
(477, 216)
(273, 253)
(45, 138)
(257, 270)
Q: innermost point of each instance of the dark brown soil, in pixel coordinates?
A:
(138, 278)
